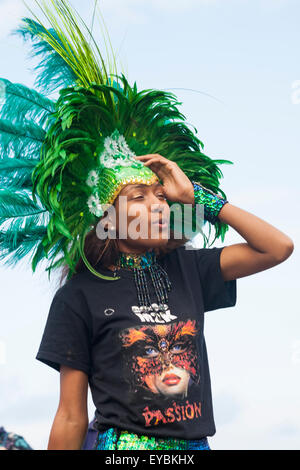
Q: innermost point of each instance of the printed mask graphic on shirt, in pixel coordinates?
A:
(155, 313)
(161, 361)
(162, 358)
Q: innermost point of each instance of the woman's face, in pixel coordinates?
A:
(140, 208)
(172, 382)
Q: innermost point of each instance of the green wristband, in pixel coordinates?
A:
(212, 202)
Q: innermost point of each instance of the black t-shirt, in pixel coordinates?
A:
(148, 373)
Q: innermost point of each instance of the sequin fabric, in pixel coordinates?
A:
(212, 202)
(12, 441)
(114, 439)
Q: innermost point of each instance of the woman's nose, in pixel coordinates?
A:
(156, 201)
(157, 207)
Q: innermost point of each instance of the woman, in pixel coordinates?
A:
(137, 381)
(106, 165)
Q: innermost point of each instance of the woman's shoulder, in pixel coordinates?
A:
(189, 255)
(72, 292)
(179, 258)
(184, 250)
(190, 249)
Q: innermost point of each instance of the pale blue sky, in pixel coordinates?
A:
(242, 58)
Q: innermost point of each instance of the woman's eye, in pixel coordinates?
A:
(177, 348)
(158, 195)
(151, 352)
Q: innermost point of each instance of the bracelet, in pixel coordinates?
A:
(212, 202)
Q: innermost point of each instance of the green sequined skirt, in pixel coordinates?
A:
(115, 439)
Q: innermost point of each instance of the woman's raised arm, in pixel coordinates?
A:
(266, 245)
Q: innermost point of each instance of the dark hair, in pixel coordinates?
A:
(107, 251)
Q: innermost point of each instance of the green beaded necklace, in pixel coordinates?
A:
(139, 264)
(134, 260)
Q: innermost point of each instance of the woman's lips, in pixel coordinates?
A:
(161, 224)
(171, 379)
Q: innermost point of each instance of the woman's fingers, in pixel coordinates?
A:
(151, 155)
(150, 161)
(156, 158)
(161, 163)
(175, 183)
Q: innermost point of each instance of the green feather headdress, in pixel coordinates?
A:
(57, 170)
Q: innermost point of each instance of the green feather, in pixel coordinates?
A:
(39, 254)
(23, 103)
(19, 205)
(22, 140)
(53, 72)
(16, 174)
(70, 39)
(16, 245)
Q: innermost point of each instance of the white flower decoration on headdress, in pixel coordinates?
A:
(92, 179)
(123, 146)
(117, 152)
(94, 205)
(111, 146)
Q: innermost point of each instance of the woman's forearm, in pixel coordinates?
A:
(67, 434)
(261, 235)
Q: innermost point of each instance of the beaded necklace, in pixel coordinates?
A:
(139, 264)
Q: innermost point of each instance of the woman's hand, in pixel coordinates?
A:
(177, 187)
